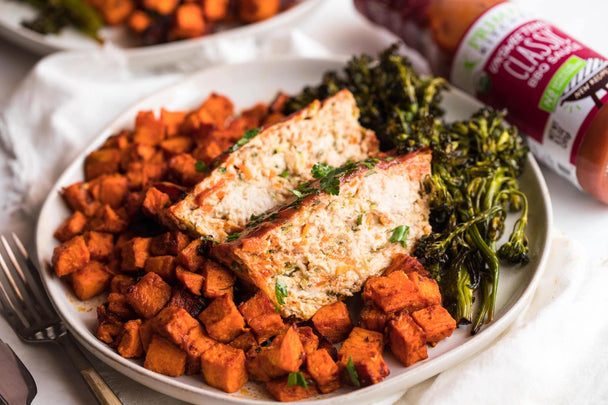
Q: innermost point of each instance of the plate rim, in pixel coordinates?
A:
(370, 393)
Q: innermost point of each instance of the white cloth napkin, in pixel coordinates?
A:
(553, 354)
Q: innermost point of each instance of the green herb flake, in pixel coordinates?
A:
(280, 291)
(232, 237)
(222, 169)
(321, 169)
(249, 135)
(296, 379)
(400, 235)
(296, 193)
(200, 166)
(352, 373)
(284, 174)
(388, 158)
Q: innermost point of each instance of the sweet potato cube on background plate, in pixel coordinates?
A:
(408, 340)
(309, 340)
(119, 306)
(393, 293)
(173, 323)
(146, 331)
(155, 202)
(190, 257)
(121, 282)
(192, 281)
(407, 264)
(280, 391)
(106, 219)
(436, 322)
(218, 280)
(100, 245)
(222, 319)
(257, 10)
(333, 322)
(169, 243)
(365, 348)
(195, 343)
(223, 367)
(108, 326)
(149, 295)
(177, 145)
(216, 110)
(372, 318)
(165, 357)
(70, 256)
(164, 266)
(189, 21)
(172, 121)
(102, 161)
(91, 280)
(135, 253)
(130, 343)
(109, 189)
(149, 130)
(215, 10)
(428, 291)
(182, 169)
(324, 370)
(182, 298)
(245, 341)
(78, 198)
(285, 354)
(261, 317)
(71, 227)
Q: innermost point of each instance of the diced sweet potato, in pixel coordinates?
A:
(372, 318)
(215, 10)
(192, 281)
(223, 367)
(71, 227)
(162, 7)
(108, 326)
(182, 298)
(261, 317)
(257, 10)
(428, 290)
(102, 161)
(324, 370)
(119, 140)
(148, 129)
(209, 150)
(365, 348)
(172, 121)
(218, 280)
(169, 243)
(119, 306)
(130, 343)
(78, 198)
(99, 244)
(188, 22)
(309, 340)
(149, 295)
(135, 253)
(273, 118)
(109, 189)
(333, 322)
(70, 256)
(141, 174)
(222, 319)
(408, 340)
(165, 357)
(174, 191)
(106, 219)
(182, 169)
(155, 202)
(436, 322)
(245, 341)
(278, 104)
(190, 257)
(254, 363)
(406, 264)
(164, 266)
(326, 345)
(177, 145)
(146, 331)
(173, 323)
(395, 292)
(280, 391)
(121, 282)
(136, 153)
(114, 12)
(216, 110)
(195, 343)
(139, 21)
(90, 280)
(284, 355)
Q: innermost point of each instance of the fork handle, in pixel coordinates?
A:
(99, 388)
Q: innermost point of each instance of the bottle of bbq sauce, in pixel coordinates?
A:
(554, 87)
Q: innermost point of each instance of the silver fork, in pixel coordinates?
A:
(28, 310)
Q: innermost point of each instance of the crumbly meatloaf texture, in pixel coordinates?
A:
(258, 176)
(324, 247)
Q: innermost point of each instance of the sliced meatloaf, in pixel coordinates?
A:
(258, 176)
(319, 247)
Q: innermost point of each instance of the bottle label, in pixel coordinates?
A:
(552, 85)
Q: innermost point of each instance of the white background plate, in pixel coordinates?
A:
(247, 84)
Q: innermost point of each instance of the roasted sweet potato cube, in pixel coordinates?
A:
(130, 345)
(148, 129)
(141, 175)
(195, 343)
(309, 340)
(284, 355)
(101, 161)
(223, 367)
(257, 10)
(436, 322)
(106, 219)
(139, 21)
(261, 317)
(136, 153)
(149, 295)
(392, 293)
(164, 266)
(191, 256)
(218, 280)
(209, 150)
(215, 10)
(146, 331)
(216, 110)
(372, 318)
(121, 282)
(278, 104)
(114, 12)
(165, 357)
(273, 118)
(428, 291)
(324, 370)
(119, 140)
(281, 392)
(365, 348)
(78, 198)
(222, 319)
(245, 341)
(174, 191)
(192, 281)
(109, 189)
(71, 227)
(182, 298)
(155, 202)
(333, 322)
(173, 323)
(169, 243)
(255, 364)
(408, 340)
(172, 120)
(162, 7)
(177, 145)
(119, 306)
(406, 264)
(326, 345)
(188, 22)
(182, 169)
(108, 326)
(99, 244)
(70, 256)
(90, 280)
(135, 253)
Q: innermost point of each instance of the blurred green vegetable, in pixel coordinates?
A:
(475, 166)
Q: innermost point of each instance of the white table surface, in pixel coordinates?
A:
(337, 25)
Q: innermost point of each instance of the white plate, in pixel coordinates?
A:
(13, 12)
(260, 81)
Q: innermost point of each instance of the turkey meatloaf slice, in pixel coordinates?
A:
(319, 247)
(258, 175)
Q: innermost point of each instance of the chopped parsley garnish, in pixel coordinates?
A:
(232, 237)
(330, 180)
(280, 291)
(296, 193)
(284, 174)
(352, 373)
(296, 379)
(321, 169)
(249, 135)
(400, 235)
(222, 169)
(200, 166)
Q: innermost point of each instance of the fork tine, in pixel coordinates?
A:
(33, 270)
(7, 304)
